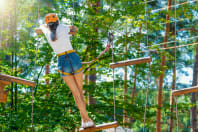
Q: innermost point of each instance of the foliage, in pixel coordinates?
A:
(25, 54)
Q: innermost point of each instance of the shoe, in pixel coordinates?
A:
(87, 124)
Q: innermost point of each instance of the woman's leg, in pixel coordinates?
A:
(71, 81)
(79, 81)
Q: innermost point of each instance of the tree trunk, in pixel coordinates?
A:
(161, 78)
(194, 95)
(92, 81)
(135, 76)
(92, 77)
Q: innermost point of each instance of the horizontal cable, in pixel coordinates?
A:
(152, 50)
(153, 11)
(172, 41)
(181, 20)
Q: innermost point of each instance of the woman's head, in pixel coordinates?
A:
(52, 22)
(51, 18)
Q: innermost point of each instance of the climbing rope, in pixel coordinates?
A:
(73, 12)
(73, 15)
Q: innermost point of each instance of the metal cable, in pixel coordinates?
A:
(176, 62)
(73, 13)
(172, 41)
(177, 115)
(73, 24)
(1, 34)
(34, 78)
(184, 45)
(153, 11)
(111, 42)
(147, 43)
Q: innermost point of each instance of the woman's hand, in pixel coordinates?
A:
(73, 30)
(38, 31)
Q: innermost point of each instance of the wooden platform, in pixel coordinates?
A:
(131, 62)
(7, 78)
(184, 91)
(100, 127)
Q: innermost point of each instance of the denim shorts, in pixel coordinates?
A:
(69, 64)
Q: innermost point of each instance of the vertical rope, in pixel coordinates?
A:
(38, 12)
(147, 43)
(73, 13)
(34, 78)
(15, 52)
(32, 110)
(73, 23)
(111, 42)
(177, 115)
(175, 44)
(1, 33)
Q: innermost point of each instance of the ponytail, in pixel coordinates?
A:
(53, 26)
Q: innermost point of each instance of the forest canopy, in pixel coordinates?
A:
(165, 30)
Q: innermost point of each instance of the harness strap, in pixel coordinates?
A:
(67, 57)
(66, 52)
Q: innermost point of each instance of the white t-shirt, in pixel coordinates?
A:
(62, 43)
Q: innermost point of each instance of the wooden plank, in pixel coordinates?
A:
(131, 62)
(100, 127)
(184, 91)
(4, 77)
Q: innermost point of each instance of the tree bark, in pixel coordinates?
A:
(194, 95)
(92, 77)
(161, 78)
(135, 76)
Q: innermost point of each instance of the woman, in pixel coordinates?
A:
(69, 64)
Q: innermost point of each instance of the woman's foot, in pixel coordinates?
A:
(87, 124)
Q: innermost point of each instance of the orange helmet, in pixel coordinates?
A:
(51, 17)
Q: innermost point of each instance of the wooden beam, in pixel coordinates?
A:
(184, 91)
(3, 82)
(130, 62)
(100, 127)
(3, 93)
(3, 96)
(7, 78)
